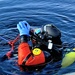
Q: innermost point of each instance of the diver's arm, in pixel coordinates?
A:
(23, 49)
(24, 38)
(24, 53)
(25, 57)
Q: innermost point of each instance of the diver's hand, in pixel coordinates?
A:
(23, 28)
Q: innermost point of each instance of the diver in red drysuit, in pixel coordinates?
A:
(28, 57)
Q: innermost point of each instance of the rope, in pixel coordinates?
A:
(11, 43)
(9, 54)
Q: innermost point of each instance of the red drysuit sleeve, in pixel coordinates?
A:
(24, 51)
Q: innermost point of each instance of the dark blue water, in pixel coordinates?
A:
(61, 13)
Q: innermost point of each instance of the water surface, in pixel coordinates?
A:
(61, 13)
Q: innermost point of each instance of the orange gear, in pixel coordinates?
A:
(25, 55)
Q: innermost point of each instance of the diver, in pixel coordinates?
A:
(40, 46)
(44, 48)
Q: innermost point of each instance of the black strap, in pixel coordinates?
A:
(24, 61)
